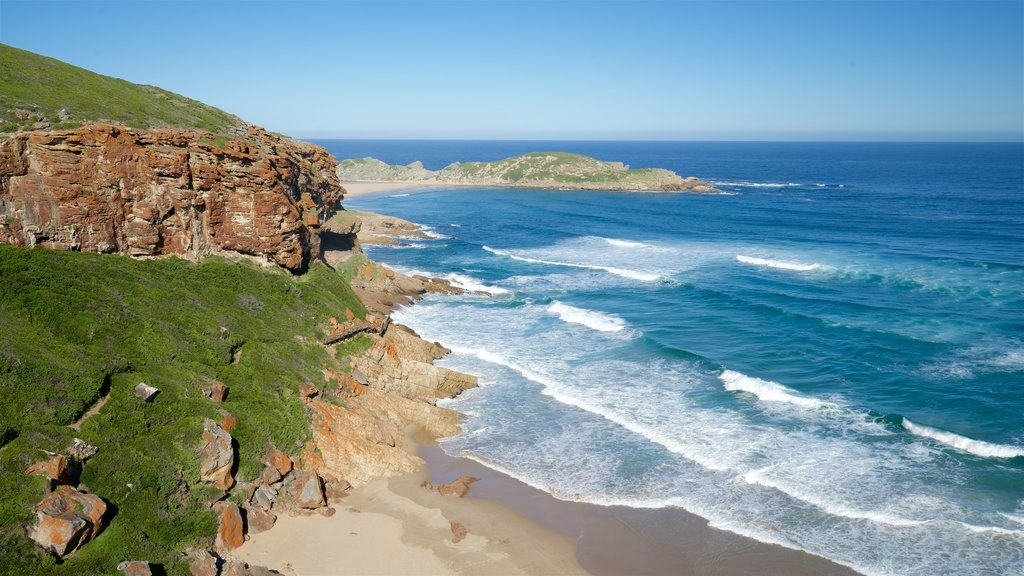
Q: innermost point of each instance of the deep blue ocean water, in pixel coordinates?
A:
(831, 358)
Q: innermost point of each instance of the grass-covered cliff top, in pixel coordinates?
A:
(34, 86)
(79, 327)
(533, 170)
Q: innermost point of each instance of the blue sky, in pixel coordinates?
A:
(563, 70)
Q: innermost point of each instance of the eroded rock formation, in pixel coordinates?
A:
(108, 188)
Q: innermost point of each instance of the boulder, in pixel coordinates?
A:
(264, 497)
(268, 476)
(203, 563)
(55, 469)
(81, 450)
(458, 532)
(216, 391)
(135, 568)
(230, 533)
(458, 487)
(145, 392)
(67, 519)
(216, 456)
(63, 115)
(227, 421)
(309, 492)
(281, 462)
(259, 520)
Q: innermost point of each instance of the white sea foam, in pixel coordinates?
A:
(411, 271)
(566, 395)
(768, 391)
(397, 195)
(589, 318)
(625, 243)
(625, 273)
(474, 285)
(779, 264)
(742, 184)
(429, 232)
(976, 447)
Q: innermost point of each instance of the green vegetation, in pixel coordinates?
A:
(79, 326)
(41, 86)
(533, 170)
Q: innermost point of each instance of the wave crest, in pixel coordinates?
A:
(589, 318)
(780, 264)
(625, 273)
(767, 390)
(976, 447)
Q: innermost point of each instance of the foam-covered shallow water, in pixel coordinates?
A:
(837, 369)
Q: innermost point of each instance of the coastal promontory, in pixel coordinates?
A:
(551, 170)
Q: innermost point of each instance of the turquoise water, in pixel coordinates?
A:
(831, 358)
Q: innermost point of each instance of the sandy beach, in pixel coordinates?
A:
(353, 189)
(395, 526)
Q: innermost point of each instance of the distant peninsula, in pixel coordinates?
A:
(558, 170)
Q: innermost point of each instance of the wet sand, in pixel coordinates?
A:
(616, 540)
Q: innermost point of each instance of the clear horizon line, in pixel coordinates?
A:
(1019, 140)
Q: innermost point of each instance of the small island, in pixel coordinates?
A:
(558, 170)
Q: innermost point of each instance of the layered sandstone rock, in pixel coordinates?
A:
(108, 188)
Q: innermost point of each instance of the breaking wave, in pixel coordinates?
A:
(768, 391)
(625, 273)
(474, 285)
(976, 447)
(780, 264)
(589, 318)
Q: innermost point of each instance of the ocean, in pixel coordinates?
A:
(830, 357)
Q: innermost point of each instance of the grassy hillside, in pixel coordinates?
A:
(43, 86)
(79, 326)
(533, 170)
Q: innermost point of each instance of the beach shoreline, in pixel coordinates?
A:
(399, 526)
(355, 189)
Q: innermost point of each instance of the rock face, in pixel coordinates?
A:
(67, 519)
(216, 456)
(108, 188)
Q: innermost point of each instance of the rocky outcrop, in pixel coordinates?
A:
(409, 375)
(560, 170)
(55, 470)
(230, 529)
(66, 519)
(216, 456)
(109, 188)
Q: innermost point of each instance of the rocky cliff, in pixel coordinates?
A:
(109, 188)
(559, 170)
